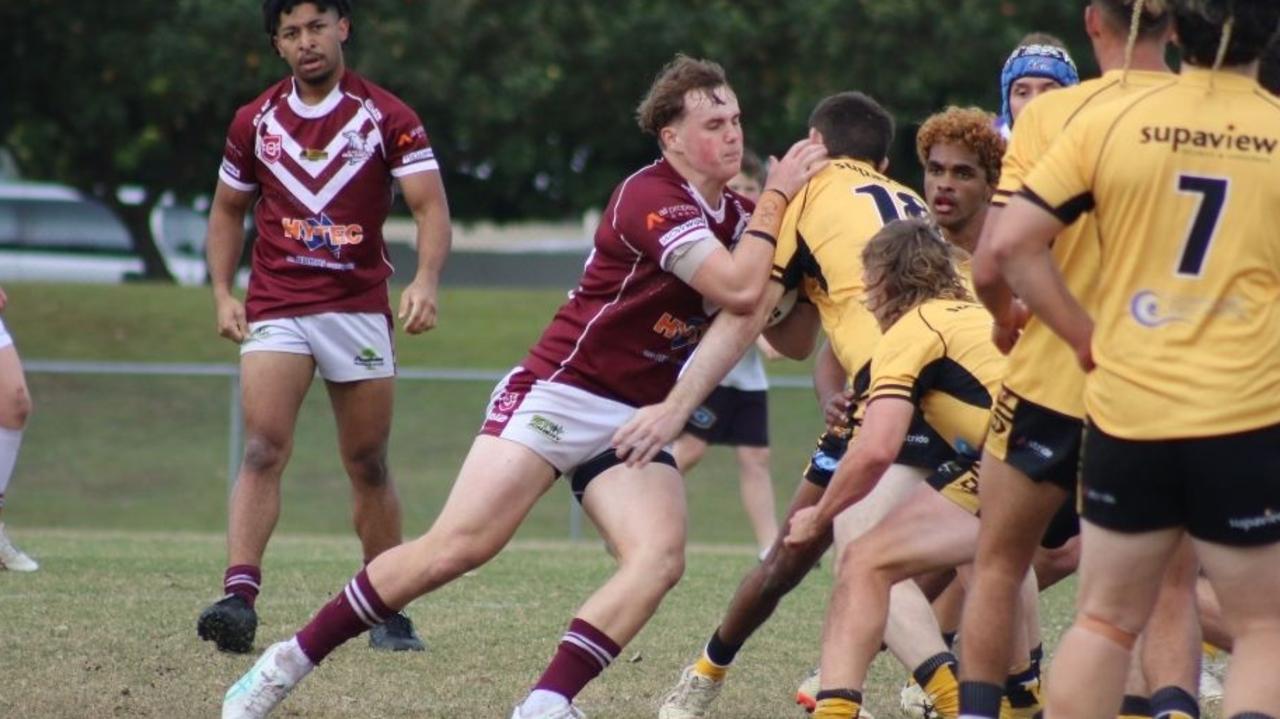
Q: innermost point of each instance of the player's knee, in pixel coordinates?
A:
(368, 466)
(264, 455)
(445, 558)
(16, 409)
(783, 568)
(866, 561)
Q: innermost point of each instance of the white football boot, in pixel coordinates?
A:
(267, 683)
(12, 558)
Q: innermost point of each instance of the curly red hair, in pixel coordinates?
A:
(970, 127)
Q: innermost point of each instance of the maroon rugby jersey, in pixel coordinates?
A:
(325, 172)
(629, 326)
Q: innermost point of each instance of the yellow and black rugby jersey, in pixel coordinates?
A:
(939, 356)
(1184, 182)
(820, 245)
(1042, 368)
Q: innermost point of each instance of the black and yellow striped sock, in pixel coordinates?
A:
(937, 676)
(838, 704)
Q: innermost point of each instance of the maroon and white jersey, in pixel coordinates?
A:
(629, 326)
(325, 174)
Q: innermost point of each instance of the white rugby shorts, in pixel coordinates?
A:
(347, 346)
(6, 339)
(571, 428)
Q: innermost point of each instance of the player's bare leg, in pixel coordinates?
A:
(1054, 565)
(688, 450)
(1170, 646)
(756, 485)
(498, 484)
(363, 412)
(273, 385)
(923, 534)
(1120, 579)
(1247, 583)
(15, 408)
(1015, 514)
(641, 514)
(751, 605)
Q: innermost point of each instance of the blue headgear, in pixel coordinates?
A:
(1034, 61)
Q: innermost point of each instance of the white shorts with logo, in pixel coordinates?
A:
(569, 427)
(6, 339)
(347, 346)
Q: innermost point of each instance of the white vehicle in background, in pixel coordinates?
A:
(54, 233)
(179, 233)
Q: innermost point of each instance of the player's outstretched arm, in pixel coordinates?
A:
(1020, 247)
(735, 280)
(873, 449)
(223, 245)
(653, 427)
(424, 194)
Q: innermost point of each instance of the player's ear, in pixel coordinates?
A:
(815, 136)
(883, 167)
(669, 137)
(344, 29)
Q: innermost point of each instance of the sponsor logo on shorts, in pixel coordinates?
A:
(259, 333)
(1094, 495)
(507, 401)
(498, 417)
(546, 427)
(1002, 413)
(703, 418)
(917, 439)
(369, 359)
(823, 461)
(1040, 449)
(1260, 521)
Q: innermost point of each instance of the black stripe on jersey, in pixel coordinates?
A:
(949, 376)
(1089, 100)
(1068, 212)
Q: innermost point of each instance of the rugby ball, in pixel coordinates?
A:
(786, 303)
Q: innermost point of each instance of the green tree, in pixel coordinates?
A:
(529, 104)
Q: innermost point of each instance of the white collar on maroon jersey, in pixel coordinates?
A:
(320, 109)
(717, 215)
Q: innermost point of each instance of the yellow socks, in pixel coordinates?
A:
(710, 669)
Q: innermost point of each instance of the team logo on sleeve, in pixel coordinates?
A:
(317, 232)
(270, 147)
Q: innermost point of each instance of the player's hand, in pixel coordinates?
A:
(1084, 352)
(418, 306)
(649, 430)
(231, 319)
(805, 159)
(4, 300)
(1005, 333)
(835, 410)
(804, 527)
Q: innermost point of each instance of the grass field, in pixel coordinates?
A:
(105, 630)
(121, 488)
